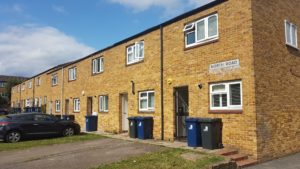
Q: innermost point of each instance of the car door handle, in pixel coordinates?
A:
(35, 124)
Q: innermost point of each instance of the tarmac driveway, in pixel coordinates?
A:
(75, 155)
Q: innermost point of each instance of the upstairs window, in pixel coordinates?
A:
(291, 38)
(23, 86)
(30, 85)
(2, 84)
(226, 96)
(38, 81)
(54, 80)
(201, 31)
(135, 52)
(146, 101)
(72, 73)
(57, 106)
(103, 103)
(98, 65)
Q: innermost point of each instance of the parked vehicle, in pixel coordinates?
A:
(3, 112)
(15, 127)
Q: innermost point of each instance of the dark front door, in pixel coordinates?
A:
(181, 99)
(89, 106)
(67, 104)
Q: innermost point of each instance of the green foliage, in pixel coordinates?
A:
(11, 83)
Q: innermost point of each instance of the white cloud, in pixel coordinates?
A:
(59, 9)
(172, 7)
(30, 49)
(14, 8)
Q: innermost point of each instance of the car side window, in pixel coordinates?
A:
(23, 118)
(41, 117)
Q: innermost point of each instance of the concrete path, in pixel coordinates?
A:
(289, 162)
(81, 155)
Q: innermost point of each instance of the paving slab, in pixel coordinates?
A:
(81, 155)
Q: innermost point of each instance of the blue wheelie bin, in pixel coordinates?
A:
(145, 127)
(91, 123)
(193, 132)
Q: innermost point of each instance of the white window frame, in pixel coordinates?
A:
(30, 85)
(102, 102)
(38, 81)
(146, 98)
(23, 87)
(286, 22)
(76, 103)
(227, 92)
(2, 84)
(72, 73)
(54, 79)
(57, 106)
(27, 103)
(187, 30)
(41, 102)
(136, 51)
(98, 65)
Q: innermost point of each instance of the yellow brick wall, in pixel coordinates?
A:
(277, 80)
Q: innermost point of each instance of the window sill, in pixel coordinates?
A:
(99, 73)
(292, 46)
(103, 112)
(134, 63)
(76, 111)
(71, 80)
(225, 111)
(145, 112)
(201, 44)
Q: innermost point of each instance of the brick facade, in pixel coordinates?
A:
(254, 129)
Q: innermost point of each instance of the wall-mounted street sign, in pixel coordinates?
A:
(223, 66)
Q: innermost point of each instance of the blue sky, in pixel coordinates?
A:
(49, 32)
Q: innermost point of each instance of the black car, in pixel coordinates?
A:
(15, 127)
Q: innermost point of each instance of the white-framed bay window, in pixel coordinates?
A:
(201, 31)
(76, 103)
(103, 103)
(30, 85)
(57, 106)
(98, 65)
(135, 52)
(291, 37)
(72, 74)
(226, 96)
(146, 101)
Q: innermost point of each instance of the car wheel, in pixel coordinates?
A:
(69, 131)
(13, 137)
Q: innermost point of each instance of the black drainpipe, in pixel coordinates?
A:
(162, 81)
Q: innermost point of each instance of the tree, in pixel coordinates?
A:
(11, 83)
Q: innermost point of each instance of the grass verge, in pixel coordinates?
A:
(167, 159)
(48, 141)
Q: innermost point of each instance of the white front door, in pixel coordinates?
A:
(124, 111)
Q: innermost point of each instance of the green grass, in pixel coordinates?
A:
(48, 141)
(167, 159)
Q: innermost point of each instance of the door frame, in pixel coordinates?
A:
(122, 95)
(89, 100)
(175, 108)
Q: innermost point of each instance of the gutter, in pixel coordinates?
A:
(62, 92)
(162, 81)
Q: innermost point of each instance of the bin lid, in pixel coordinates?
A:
(192, 119)
(131, 118)
(144, 118)
(209, 120)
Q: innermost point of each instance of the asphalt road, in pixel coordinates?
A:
(82, 155)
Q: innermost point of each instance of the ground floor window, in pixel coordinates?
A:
(103, 103)
(146, 101)
(57, 106)
(76, 105)
(226, 96)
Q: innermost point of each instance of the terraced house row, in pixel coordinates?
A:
(230, 59)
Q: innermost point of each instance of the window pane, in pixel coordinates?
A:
(235, 94)
(212, 26)
(200, 30)
(218, 88)
(143, 94)
(143, 103)
(141, 50)
(294, 40)
(215, 100)
(106, 103)
(151, 100)
(130, 58)
(190, 38)
(224, 100)
(288, 32)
